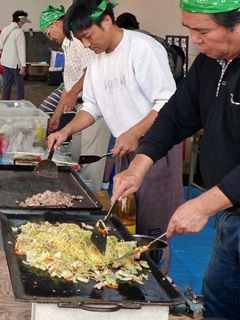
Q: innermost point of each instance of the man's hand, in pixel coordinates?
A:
(56, 139)
(125, 183)
(188, 218)
(69, 101)
(127, 142)
(130, 180)
(22, 71)
(53, 123)
(192, 216)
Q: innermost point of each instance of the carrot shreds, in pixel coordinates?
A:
(18, 252)
(48, 260)
(103, 232)
(17, 245)
(140, 250)
(111, 286)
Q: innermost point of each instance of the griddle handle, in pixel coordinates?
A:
(100, 307)
(88, 307)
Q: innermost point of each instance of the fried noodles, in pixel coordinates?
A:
(65, 250)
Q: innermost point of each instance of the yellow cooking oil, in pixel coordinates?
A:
(126, 211)
(39, 135)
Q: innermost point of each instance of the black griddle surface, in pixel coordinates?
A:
(17, 183)
(31, 284)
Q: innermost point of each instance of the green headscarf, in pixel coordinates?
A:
(100, 9)
(209, 6)
(50, 14)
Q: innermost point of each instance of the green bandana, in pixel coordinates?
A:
(209, 6)
(50, 14)
(100, 9)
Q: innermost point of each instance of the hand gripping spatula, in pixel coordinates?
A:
(47, 167)
(99, 234)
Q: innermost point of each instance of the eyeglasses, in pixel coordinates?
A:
(49, 29)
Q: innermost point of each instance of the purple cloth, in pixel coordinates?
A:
(160, 193)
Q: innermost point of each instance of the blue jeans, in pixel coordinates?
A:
(221, 283)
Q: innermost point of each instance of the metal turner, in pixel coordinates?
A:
(47, 167)
(99, 234)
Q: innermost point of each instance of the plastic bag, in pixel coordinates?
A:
(20, 140)
(57, 59)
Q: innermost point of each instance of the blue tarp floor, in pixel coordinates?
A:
(190, 255)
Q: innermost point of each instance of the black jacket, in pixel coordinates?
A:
(208, 98)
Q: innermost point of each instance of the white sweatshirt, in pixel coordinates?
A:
(125, 85)
(14, 49)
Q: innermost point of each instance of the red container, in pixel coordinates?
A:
(1, 143)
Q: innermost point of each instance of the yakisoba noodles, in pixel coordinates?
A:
(66, 250)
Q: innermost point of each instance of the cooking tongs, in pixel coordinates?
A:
(47, 167)
(100, 231)
(140, 249)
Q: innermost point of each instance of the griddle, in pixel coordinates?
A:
(33, 285)
(17, 183)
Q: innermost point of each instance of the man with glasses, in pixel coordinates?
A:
(13, 60)
(94, 140)
(76, 61)
(48, 31)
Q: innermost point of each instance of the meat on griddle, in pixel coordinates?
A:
(51, 198)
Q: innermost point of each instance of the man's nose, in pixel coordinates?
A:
(196, 38)
(85, 43)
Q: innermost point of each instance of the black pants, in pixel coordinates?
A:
(9, 77)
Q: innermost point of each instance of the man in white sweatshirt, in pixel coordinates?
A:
(13, 60)
(127, 82)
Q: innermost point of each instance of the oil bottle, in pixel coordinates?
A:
(39, 135)
(126, 210)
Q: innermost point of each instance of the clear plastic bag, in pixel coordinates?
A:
(17, 140)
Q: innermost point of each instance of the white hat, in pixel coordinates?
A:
(24, 19)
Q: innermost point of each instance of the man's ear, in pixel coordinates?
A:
(107, 19)
(57, 23)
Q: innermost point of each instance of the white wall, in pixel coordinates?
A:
(33, 7)
(161, 17)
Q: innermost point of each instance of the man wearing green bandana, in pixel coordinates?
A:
(208, 98)
(76, 61)
(93, 140)
(127, 82)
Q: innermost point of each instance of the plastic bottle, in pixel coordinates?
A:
(126, 210)
(39, 135)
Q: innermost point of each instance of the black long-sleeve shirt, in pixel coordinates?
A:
(208, 98)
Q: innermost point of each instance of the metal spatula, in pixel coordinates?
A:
(91, 158)
(47, 167)
(99, 234)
